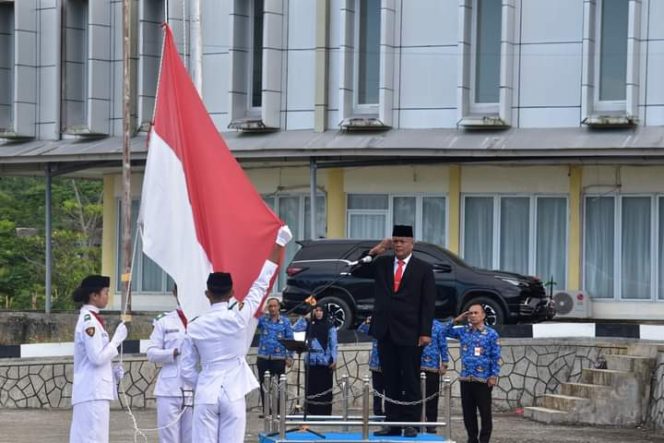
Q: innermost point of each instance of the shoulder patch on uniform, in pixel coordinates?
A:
(87, 317)
(90, 331)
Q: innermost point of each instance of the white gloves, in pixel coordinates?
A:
(284, 235)
(120, 335)
(118, 373)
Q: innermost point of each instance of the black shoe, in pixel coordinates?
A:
(388, 431)
(431, 429)
(410, 432)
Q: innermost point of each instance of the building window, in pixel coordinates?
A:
(367, 60)
(151, 15)
(295, 211)
(611, 63)
(74, 61)
(623, 247)
(6, 65)
(486, 62)
(371, 216)
(524, 234)
(147, 276)
(256, 59)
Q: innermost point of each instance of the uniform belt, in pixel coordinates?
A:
(222, 364)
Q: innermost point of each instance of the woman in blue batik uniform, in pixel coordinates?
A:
(321, 359)
(377, 382)
(272, 354)
(434, 364)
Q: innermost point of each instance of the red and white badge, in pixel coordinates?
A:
(478, 351)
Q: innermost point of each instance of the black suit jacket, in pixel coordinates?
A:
(407, 314)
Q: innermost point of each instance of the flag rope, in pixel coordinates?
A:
(137, 430)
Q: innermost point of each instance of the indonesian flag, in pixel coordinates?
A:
(199, 211)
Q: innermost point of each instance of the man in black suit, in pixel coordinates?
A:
(404, 294)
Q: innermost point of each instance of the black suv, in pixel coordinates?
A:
(321, 268)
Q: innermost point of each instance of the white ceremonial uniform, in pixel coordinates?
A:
(93, 387)
(168, 335)
(217, 339)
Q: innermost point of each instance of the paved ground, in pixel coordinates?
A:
(39, 425)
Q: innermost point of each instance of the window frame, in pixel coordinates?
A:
(478, 108)
(254, 111)
(389, 212)
(532, 228)
(363, 109)
(655, 233)
(10, 56)
(137, 258)
(607, 105)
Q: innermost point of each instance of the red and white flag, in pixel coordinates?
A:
(199, 211)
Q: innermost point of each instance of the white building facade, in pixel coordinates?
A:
(524, 135)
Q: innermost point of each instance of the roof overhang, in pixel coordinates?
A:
(336, 148)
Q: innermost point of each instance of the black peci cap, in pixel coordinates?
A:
(219, 282)
(402, 231)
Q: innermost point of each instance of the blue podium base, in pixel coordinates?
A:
(345, 437)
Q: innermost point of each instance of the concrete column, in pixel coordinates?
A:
(322, 64)
(454, 209)
(574, 236)
(336, 204)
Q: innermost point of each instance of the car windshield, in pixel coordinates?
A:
(437, 251)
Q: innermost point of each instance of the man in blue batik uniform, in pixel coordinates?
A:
(434, 364)
(480, 359)
(272, 354)
(377, 382)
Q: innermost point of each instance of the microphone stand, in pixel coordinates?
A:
(341, 276)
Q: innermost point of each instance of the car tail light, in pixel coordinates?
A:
(292, 271)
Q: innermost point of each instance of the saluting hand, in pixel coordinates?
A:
(461, 317)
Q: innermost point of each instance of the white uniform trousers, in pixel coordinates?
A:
(168, 411)
(224, 422)
(89, 423)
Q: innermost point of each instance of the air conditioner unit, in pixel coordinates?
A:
(572, 304)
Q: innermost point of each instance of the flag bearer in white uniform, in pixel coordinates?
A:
(218, 341)
(95, 378)
(174, 410)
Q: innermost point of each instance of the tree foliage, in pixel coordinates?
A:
(76, 239)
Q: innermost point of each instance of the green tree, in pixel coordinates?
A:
(76, 239)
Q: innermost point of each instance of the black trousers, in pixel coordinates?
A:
(276, 367)
(432, 387)
(378, 385)
(319, 379)
(474, 396)
(401, 367)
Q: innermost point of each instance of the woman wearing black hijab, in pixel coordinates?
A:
(321, 360)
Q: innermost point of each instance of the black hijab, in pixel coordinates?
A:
(320, 329)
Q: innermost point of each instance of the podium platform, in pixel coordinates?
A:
(346, 437)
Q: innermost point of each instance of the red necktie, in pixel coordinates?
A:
(398, 275)
(100, 319)
(183, 318)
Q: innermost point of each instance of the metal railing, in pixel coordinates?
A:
(277, 419)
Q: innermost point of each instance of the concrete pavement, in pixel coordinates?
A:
(43, 425)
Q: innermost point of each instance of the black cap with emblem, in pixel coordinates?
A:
(219, 283)
(402, 231)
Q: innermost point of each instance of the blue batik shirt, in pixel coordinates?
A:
(479, 350)
(271, 332)
(374, 361)
(435, 352)
(319, 356)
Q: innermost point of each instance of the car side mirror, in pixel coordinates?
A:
(442, 267)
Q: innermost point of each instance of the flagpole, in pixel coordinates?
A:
(126, 166)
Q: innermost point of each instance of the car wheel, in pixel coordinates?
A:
(340, 313)
(492, 309)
